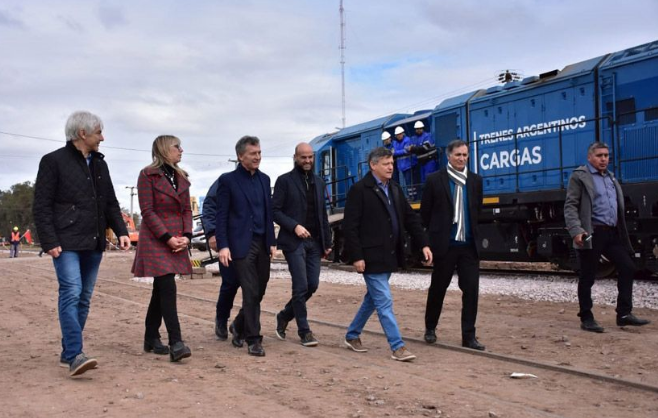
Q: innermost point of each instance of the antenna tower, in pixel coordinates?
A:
(342, 56)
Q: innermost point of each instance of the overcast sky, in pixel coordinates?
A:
(212, 71)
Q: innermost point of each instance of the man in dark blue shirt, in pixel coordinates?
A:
(245, 237)
(594, 216)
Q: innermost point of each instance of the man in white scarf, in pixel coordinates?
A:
(450, 209)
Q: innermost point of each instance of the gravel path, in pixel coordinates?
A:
(534, 287)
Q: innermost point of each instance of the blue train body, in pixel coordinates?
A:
(525, 139)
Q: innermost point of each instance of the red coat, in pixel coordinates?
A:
(164, 210)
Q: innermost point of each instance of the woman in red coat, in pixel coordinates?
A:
(166, 230)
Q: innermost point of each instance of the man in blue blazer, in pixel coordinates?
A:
(245, 237)
(304, 237)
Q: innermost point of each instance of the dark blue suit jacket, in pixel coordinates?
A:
(234, 224)
(289, 201)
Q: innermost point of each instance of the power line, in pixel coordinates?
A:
(130, 149)
(443, 95)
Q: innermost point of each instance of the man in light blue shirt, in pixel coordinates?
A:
(594, 216)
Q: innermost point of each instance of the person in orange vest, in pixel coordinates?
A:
(14, 241)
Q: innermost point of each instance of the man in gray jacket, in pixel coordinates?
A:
(594, 215)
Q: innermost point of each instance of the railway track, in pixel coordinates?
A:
(507, 272)
(48, 273)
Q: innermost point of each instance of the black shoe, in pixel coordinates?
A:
(179, 351)
(281, 326)
(256, 349)
(632, 320)
(472, 343)
(430, 336)
(236, 339)
(308, 340)
(592, 326)
(220, 330)
(156, 346)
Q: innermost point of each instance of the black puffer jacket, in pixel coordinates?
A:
(71, 209)
(369, 231)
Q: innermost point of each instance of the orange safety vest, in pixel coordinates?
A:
(15, 236)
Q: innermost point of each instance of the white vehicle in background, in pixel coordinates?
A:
(199, 238)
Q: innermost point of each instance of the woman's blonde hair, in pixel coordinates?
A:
(160, 151)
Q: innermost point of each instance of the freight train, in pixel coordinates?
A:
(525, 138)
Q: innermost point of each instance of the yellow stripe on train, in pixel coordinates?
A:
(486, 201)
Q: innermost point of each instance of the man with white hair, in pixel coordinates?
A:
(74, 202)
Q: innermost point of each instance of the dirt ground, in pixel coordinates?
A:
(325, 381)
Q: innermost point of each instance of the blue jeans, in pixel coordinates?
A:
(377, 297)
(76, 274)
(304, 266)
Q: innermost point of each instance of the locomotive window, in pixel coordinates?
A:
(625, 112)
(326, 163)
(446, 127)
(651, 114)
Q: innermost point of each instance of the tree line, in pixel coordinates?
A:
(16, 210)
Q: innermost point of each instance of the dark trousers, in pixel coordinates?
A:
(605, 242)
(227, 291)
(13, 250)
(304, 266)
(465, 260)
(253, 273)
(163, 306)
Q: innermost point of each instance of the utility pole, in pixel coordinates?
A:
(132, 194)
(342, 55)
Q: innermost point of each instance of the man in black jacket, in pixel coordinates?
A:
(450, 208)
(304, 237)
(74, 202)
(377, 218)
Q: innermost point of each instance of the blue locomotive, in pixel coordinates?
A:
(525, 138)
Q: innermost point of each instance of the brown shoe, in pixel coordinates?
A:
(355, 345)
(402, 354)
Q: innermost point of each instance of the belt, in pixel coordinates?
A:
(604, 228)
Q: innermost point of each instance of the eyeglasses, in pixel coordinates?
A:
(178, 147)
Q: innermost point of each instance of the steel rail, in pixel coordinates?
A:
(485, 354)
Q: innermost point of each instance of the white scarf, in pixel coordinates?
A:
(459, 177)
